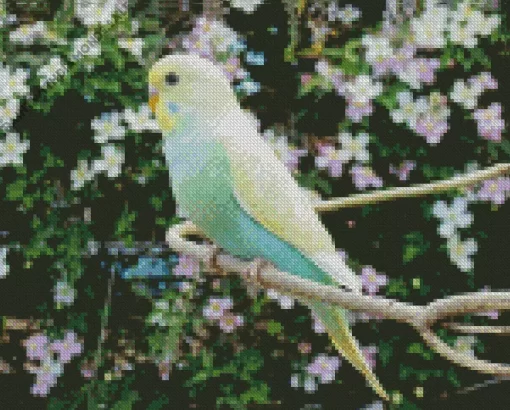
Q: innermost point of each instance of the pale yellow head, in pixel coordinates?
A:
(185, 84)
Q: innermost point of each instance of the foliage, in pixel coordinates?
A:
(145, 333)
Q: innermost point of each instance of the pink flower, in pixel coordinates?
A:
(402, 57)
(318, 326)
(495, 190)
(187, 267)
(489, 122)
(216, 307)
(370, 353)
(338, 80)
(232, 66)
(46, 376)
(329, 158)
(484, 81)
(324, 367)
(364, 177)
(229, 322)
(431, 128)
(371, 281)
(305, 79)
(356, 110)
(37, 346)
(292, 158)
(67, 347)
(404, 170)
(305, 348)
(426, 68)
(382, 67)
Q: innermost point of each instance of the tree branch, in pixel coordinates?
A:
(461, 181)
(422, 318)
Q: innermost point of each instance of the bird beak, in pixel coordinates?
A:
(153, 99)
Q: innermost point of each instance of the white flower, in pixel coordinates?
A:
(81, 175)
(294, 381)
(108, 127)
(12, 150)
(310, 384)
(349, 14)
(465, 95)
(86, 46)
(4, 267)
(63, 294)
(428, 30)
(354, 148)
(363, 89)
(467, 23)
(111, 161)
(452, 217)
(9, 19)
(248, 6)
(159, 316)
(97, 12)
(8, 112)
(460, 252)
(323, 68)
(13, 84)
(487, 25)
(409, 110)
(285, 302)
(51, 71)
(141, 120)
(376, 405)
(464, 35)
(333, 11)
(222, 35)
(133, 45)
(377, 48)
(27, 33)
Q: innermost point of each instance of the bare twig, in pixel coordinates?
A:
(461, 181)
(495, 330)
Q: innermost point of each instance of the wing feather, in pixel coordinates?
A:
(267, 191)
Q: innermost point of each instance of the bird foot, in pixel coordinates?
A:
(212, 264)
(251, 277)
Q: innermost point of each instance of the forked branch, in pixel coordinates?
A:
(422, 318)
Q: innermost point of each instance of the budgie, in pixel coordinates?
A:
(230, 183)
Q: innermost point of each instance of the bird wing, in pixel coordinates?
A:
(267, 191)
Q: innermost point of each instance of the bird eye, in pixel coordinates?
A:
(171, 79)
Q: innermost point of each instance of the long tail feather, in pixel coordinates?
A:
(337, 327)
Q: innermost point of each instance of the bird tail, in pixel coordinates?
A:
(338, 329)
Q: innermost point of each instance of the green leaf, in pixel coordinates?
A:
(16, 190)
(274, 328)
(397, 287)
(160, 403)
(127, 401)
(257, 393)
(415, 245)
(385, 352)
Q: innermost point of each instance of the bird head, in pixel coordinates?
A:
(183, 85)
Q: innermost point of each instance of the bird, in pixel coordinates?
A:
(229, 182)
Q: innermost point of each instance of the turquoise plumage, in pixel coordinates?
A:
(228, 181)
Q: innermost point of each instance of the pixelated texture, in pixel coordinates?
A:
(99, 312)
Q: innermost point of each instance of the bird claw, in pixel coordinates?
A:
(212, 264)
(251, 277)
